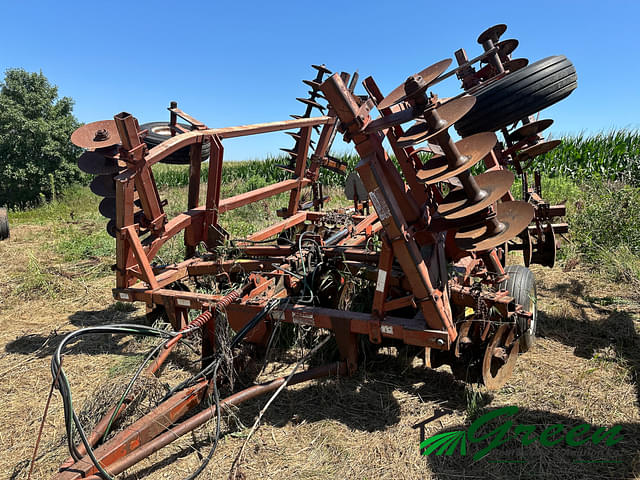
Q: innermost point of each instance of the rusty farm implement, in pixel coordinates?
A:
(427, 233)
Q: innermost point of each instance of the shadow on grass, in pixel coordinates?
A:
(599, 324)
(515, 460)
(366, 402)
(45, 345)
(363, 402)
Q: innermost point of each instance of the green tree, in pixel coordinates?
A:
(35, 126)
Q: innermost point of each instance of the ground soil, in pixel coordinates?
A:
(583, 369)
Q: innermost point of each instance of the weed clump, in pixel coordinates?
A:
(604, 229)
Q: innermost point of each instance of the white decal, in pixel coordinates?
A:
(388, 329)
(183, 302)
(302, 318)
(380, 204)
(382, 278)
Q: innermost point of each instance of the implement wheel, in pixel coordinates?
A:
(4, 224)
(519, 94)
(521, 285)
(159, 132)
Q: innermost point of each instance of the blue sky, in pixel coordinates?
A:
(234, 63)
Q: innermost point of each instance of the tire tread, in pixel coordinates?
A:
(517, 95)
(519, 283)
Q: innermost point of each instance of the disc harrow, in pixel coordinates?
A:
(519, 146)
(311, 103)
(426, 234)
(325, 160)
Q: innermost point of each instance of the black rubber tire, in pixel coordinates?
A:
(159, 132)
(519, 94)
(4, 224)
(521, 285)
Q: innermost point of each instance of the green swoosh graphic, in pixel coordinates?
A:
(445, 443)
(463, 445)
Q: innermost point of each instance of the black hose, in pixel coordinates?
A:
(238, 337)
(131, 383)
(216, 398)
(71, 418)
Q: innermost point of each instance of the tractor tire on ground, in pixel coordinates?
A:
(4, 224)
(519, 94)
(521, 285)
(159, 132)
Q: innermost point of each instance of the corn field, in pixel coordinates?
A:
(614, 155)
(256, 173)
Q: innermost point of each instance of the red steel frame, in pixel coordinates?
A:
(400, 220)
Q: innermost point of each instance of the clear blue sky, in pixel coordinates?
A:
(233, 63)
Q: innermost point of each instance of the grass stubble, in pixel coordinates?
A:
(584, 368)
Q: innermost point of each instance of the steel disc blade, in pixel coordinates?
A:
(138, 217)
(111, 228)
(526, 246)
(506, 47)
(107, 208)
(96, 164)
(474, 148)
(492, 33)
(429, 74)
(417, 133)
(530, 129)
(104, 186)
(295, 135)
(291, 152)
(522, 243)
(505, 254)
(307, 101)
(99, 134)
(537, 149)
(516, 216)
(456, 204)
(544, 250)
(312, 83)
(496, 371)
(450, 112)
(515, 64)
(392, 120)
(322, 68)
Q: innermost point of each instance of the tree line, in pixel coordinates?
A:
(37, 158)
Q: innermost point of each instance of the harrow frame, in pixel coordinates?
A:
(430, 291)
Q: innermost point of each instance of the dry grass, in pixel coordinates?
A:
(584, 368)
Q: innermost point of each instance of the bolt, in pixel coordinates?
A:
(413, 84)
(101, 135)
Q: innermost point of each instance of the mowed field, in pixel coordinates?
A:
(584, 368)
